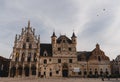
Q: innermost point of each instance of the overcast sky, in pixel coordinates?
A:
(93, 21)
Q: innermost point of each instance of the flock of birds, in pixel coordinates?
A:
(103, 10)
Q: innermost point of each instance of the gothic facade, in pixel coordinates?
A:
(60, 58)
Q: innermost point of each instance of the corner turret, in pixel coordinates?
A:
(74, 41)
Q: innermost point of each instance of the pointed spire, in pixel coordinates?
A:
(22, 31)
(73, 35)
(53, 34)
(38, 38)
(16, 38)
(29, 24)
(33, 31)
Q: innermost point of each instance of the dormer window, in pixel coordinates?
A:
(63, 41)
(45, 53)
(99, 58)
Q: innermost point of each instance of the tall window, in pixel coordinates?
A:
(24, 46)
(30, 46)
(69, 49)
(27, 40)
(35, 58)
(99, 58)
(29, 57)
(23, 57)
(59, 60)
(45, 61)
(70, 60)
(59, 49)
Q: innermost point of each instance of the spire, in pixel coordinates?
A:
(73, 35)
(53, 34)
(33, 31)
(29, 24)
(38, 37)
(16, 38)
(22, 30)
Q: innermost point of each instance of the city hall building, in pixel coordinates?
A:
(60, 58)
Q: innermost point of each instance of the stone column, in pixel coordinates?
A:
(23, 71)
(16, 74)
(9, 70)
(37, 69)
(30, 71)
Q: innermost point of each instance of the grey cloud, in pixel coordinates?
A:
(63, 16)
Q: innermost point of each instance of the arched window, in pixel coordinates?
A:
(27, 40)
(30, 46)
(24, 46)
(23, 57)
(20, 70)
(29, 57)
(35, 58)
(17, 57)
(33, 68)
(99, 58)
(45, 61)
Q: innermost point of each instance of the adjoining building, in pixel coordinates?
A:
(31, 58)
(115, 66)
(4, 67)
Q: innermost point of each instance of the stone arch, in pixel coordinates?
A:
(90, 72)
(26, 69)
(45, 61)
(101, 72)
(12, 71)
(20, 68)
(35, 57)
(96, 72)
(33, 69)
(23, 57)
(65, 70)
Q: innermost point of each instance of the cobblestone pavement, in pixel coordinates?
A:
(56, 80)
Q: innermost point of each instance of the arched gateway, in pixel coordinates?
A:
(65, 70)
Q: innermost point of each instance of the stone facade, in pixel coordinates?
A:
(60, 58)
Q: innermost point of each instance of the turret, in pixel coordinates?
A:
(74, 41)
(53, 38)
(28, 24)
(97, 46)
(16, 39)
(33, 31)
(22, 31)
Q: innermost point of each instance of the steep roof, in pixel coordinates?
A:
(83, 55)
(47, 48)
(59, 40)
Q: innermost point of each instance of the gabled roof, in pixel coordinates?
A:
(59, 40)
(82, 54)
(47, 48)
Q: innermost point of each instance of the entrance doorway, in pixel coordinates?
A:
(26, 71)
(65, 70)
